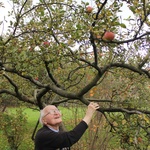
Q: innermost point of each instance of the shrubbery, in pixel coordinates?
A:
(13, 128)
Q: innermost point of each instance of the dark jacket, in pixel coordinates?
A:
(46, 139)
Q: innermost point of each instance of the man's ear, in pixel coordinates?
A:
(44, 121)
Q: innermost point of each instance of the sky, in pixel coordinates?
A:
(4, 12)
(7, 7)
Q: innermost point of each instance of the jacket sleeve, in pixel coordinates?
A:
(74, 135)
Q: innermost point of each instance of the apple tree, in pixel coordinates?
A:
(61, 51)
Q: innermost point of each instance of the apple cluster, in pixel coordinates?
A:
(108, 35)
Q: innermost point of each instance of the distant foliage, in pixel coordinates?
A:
(13, 128)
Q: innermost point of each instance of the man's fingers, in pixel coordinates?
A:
(95, 105)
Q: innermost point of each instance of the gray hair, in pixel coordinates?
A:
(42, 113)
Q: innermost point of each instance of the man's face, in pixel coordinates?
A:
(52, 116)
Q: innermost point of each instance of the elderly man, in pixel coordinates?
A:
(50, 138)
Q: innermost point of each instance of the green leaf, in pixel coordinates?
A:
(123, 25)
(78, 26)
(132, 9)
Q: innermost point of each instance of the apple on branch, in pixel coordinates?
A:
(36, 78)
(89, 9)
(46, 43)
(108, 35)
(139, 139)
(31, 49)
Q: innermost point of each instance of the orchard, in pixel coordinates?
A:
(69, 53)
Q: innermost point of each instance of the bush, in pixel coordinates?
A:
(13, 127)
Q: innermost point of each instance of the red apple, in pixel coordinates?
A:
(89, 9)
(108, 36)
(36, 78)
(46, 43)
(139, 139)
(31, 48)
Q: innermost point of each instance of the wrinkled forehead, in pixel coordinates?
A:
(49, 107)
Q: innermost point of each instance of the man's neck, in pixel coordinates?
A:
(54, 128)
